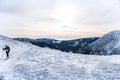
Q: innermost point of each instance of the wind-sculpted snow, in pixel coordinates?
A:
(29, 62)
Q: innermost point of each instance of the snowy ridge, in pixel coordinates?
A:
(29, 62)
(109, 44)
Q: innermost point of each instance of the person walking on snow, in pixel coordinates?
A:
(7, 50)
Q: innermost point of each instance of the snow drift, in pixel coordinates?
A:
(109, 44)
(29, 62)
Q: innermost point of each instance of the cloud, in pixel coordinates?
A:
(39, 16)
(64, 26)
(11, 5)
(100, 12)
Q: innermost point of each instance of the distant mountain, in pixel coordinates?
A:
(24, 39)
(47, 40)
(65, 45)
(109, 44)
(35, 42)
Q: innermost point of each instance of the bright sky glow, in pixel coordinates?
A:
(62, 19)
(66, 14)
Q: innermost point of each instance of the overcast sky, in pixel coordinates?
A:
(61, 19)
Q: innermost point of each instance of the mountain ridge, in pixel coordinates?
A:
(109, 44)
(63, 45)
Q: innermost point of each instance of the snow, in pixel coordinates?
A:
(76, 43)
(58, 42)
(109, 44)
(29, 62)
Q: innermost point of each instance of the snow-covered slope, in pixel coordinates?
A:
(109, 44)
(29, 62)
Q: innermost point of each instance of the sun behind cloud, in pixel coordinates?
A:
(65, 13)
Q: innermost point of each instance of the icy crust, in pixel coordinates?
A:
(109, 44)
(28, 62)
